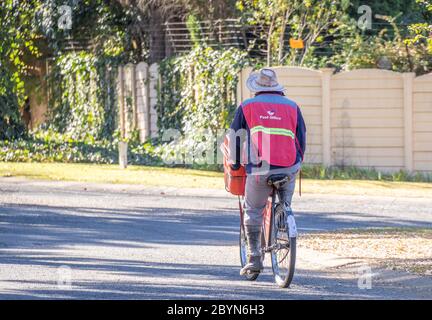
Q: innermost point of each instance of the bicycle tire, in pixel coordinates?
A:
(286, 278)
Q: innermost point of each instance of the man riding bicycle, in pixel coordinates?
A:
(273, 142)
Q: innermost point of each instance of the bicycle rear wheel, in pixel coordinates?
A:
(283, 255)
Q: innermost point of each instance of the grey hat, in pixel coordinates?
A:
(263, 80)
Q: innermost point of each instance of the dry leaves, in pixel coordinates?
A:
(407, 249)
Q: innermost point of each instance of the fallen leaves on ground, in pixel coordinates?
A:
(408, 249)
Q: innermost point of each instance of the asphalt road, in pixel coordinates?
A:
(88, 241)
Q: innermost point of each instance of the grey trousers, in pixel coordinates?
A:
(257, 193)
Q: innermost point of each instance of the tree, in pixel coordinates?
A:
(308, 20)
(407, 50)
(420, 40)
(148, 29)
(17, 34)
(151, 16)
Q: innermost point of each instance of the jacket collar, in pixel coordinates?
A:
(279, 93)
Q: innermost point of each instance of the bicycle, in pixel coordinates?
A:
(278, 237)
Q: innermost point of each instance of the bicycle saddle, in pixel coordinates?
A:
(277, 180)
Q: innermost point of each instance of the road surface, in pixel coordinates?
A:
(94, 241)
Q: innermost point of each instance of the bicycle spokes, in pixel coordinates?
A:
(283, 260)
(283, 245)
(280, 217)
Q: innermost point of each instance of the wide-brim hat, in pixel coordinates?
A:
(263, 80)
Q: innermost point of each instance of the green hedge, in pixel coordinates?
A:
(52, 147)
(354, 173)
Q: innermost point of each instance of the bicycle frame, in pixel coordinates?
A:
(268, 216)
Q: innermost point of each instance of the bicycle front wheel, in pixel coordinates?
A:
(283, 256)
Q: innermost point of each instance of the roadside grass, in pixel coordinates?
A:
(354, 173)
(407, 249)
(104, 173)
(190, 178)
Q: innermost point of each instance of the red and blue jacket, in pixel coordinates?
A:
(276, 131)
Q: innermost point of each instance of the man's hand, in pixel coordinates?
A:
(235, 166)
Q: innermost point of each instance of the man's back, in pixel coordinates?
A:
(273, 124)
(276, 139)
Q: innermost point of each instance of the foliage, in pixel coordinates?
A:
(10, 119)
(83, 100)
(198, 92)
(33, 28)
(147, 29)
(309, 20)
(17, 41)
(99, 23)
(49, 146)
(197, 97)
(332, 37)
(389, 49)
(421, 33)
(194, 29)
(354, 173)
(388, 8)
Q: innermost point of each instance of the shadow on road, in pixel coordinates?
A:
(23, 226)
(31, 234)
(180, 281)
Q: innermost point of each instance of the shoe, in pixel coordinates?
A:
(253, 239)
(254, 265)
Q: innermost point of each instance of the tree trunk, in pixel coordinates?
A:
(282, 36)
(269, 43)
(156, 36)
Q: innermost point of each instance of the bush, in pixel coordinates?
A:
(53, 147)
(394, 49)
(83, 95)
(354, 173)
(47, 146)
(198, 98)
